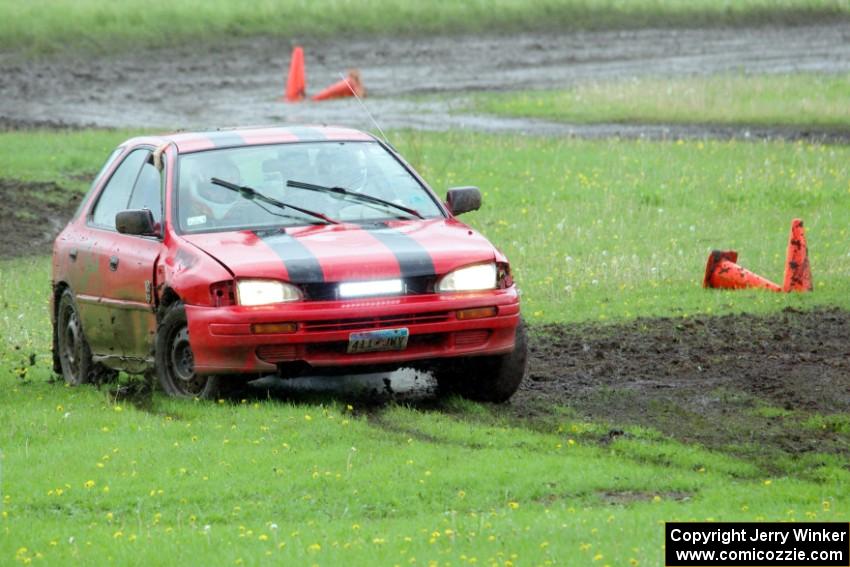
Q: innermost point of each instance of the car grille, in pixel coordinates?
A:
(328, 291)
(375, 322)
(471, 338)
(277, 353)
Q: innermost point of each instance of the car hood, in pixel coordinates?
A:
(348, 252)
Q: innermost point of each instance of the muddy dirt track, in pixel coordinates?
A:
(32, 215)
(703, 379)
(237, 83)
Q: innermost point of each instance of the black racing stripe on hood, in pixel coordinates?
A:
(413, 259)
(302, 266)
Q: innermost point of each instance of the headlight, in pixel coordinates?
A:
(471, 278)
(264, 292)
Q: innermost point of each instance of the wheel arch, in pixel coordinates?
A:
(168, 298)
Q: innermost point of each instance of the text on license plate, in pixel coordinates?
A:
(372, 341)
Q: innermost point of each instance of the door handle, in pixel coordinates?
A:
(113, 263)
(73, 254)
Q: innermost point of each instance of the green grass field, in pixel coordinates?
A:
(90, 480)
(597, 230)
(600, 229)
(807, 100)
(53, 25)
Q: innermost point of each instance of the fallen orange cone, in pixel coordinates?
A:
(723, 272)
(349, 86)
(798, 273)
(296, 82)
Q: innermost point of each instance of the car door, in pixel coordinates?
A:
(131, 276)
(90, 252)
(114, 302)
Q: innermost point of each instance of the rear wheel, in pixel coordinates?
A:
(74, 354)
(486, 378)
(175, 362)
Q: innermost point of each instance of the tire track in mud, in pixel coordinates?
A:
(749, 384)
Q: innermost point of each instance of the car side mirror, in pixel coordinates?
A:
(463, 199)
(136, 221)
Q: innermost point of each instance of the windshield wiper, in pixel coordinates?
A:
(250, 193)
(359, 196)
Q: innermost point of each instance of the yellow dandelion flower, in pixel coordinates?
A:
(314, 547)
(513, 505)
(118, 534)
(89, 484)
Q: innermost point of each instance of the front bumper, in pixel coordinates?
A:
(223, 342)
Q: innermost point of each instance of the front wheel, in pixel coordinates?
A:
(486, 378)
(175, 363)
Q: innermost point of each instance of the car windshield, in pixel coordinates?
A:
(362, 168)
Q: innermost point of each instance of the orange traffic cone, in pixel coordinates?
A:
(350, 86)
(296, 82)
(798, 273)
(722, 271)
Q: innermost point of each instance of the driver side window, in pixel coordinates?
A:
(115, 197)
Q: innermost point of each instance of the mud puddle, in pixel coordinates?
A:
(32, 214)
(237, 83)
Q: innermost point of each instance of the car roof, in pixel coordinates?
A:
(188, 142)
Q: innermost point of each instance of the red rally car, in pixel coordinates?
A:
(207, 258)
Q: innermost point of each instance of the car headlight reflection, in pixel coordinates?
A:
(264, 292)
(471, 278)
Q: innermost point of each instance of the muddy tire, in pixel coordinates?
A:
(72, 349)
(175, 363)
(486, 378)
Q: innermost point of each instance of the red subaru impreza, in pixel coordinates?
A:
(209, 258)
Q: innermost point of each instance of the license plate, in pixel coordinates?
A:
(373, 341)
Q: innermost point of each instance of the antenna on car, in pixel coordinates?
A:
(366, 110)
